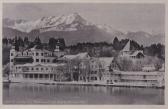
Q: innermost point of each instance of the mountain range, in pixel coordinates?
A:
(73, 28)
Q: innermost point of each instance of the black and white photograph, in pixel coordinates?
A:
(83, 53)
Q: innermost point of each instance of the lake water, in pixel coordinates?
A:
(19, 93)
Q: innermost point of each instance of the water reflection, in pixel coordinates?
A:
(17, 93)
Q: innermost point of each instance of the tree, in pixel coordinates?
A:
(157, 63)
(125, 64)
(20, 42)
(16, 44)
(116, 43)
(52, 43)
(26, 41)
(37, 41)
(84, 69)
(155, 50)
(5, 41)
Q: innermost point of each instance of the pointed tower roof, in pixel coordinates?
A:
(127, 46)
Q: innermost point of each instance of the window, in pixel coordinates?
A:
(41, 68)
(46, 75)
(11, 54)
(37, 54)
(41, 60)
(92, 78)
(44, 60)
(51, 76)
(46, 68)
(37, 68)
(32, 69)
(35, 75)
(41, 54)
(11, 60)
(31, 75)
(37, 60)
(48, 60)
(41, 76)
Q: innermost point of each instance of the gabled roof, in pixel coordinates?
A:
(35, 48)
(37, 64)
(79, 56)
(82, 55)
(136, 53)
(70, 56)
(127, 46)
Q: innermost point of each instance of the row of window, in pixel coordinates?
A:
(36, 54)
(39, 60)
(38, 69)
(42, 60)
(93, 78)
(37, 76)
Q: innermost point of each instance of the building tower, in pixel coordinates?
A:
(57, 51)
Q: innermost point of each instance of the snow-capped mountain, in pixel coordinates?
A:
(69, 22)
(73, 28)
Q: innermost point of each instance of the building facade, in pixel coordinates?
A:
(34, 63)
(128, 53)
(140, 79)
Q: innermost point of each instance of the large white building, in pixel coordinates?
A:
(34, 64)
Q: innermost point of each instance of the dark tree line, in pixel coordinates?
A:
(97, 49)
(155, 50)
(7, 41)
(19, 42)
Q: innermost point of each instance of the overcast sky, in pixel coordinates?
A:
(124, 17)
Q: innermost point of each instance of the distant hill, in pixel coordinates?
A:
(73, 28)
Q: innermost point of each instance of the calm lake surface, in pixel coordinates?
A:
(21, 93)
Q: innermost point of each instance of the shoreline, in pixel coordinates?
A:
(89, 84)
